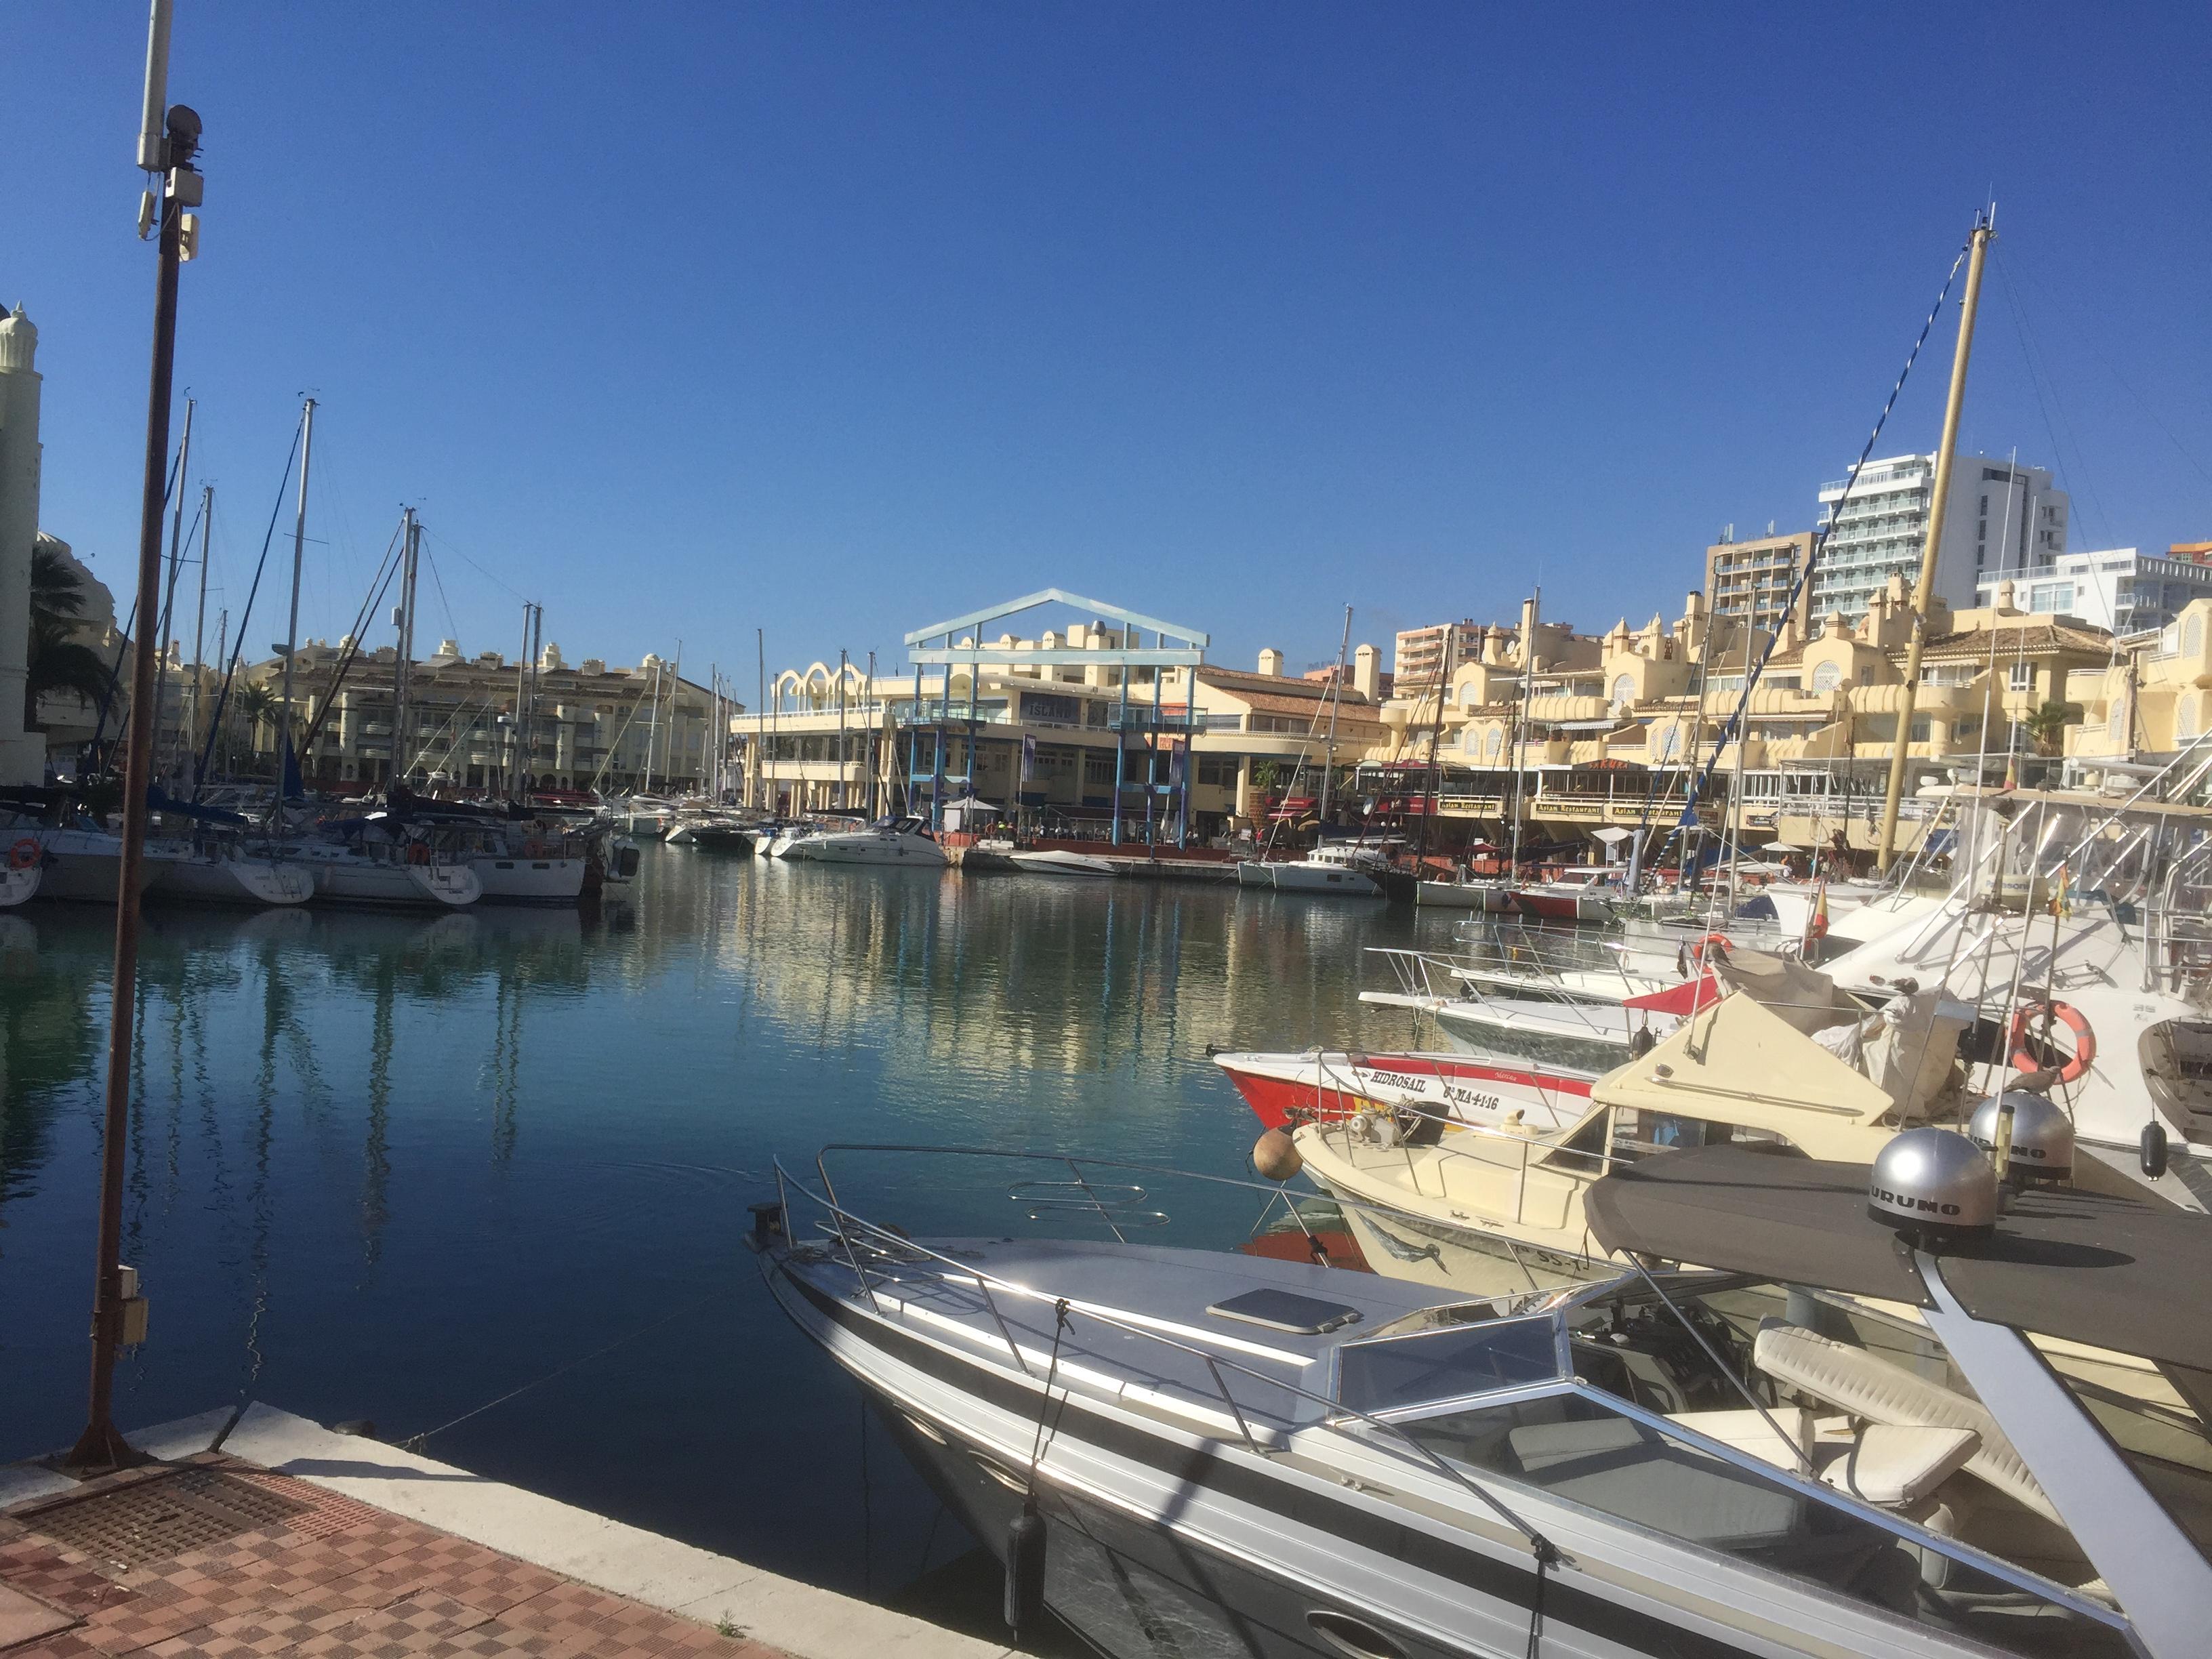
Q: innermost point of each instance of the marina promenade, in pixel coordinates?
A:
(260, 1533)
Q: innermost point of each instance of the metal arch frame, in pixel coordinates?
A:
(1059, 595)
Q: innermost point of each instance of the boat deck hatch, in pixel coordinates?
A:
(1286, 1310)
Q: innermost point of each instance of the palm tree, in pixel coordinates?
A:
(254, 703)
(2048, 724)
(58, 660)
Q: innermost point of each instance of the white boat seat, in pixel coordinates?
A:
(1877, 1392)
(1896, 1465)
(1750, 1432)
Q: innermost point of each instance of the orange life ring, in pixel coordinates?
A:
(1699, 947)
(2085, 1040)
(24, 853)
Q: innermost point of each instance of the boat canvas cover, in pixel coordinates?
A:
(2063, 1263)
(1739, 1051)
(1804, 997)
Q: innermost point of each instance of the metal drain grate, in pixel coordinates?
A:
(159, 1519)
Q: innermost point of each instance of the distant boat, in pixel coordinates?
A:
(895, 840)
(1333, 877)
(214, 873)
(1059, 863)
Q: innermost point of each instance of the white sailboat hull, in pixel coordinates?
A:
(518, 880)
(408, 886)
(238, 881)
(1309, 876)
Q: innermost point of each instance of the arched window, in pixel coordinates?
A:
(1669, 741)
(2115, 725)
(1624, 691)
(2192, 634)
(1826, 675)
(1497, 742)
(2184, 714)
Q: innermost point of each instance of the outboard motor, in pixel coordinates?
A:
(1936, 1187)
(2038, 1146)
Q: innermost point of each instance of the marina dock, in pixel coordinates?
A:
(258, 1531)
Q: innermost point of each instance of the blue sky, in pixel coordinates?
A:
(833, 320)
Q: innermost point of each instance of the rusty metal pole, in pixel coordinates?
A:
(1924, 592)
(102, 1445)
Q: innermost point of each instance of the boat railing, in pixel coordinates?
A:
(862, 1241)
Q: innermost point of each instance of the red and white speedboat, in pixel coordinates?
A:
(1584, 893)
(1318, 1086)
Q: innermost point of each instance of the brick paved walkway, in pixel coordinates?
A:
(218, 1557)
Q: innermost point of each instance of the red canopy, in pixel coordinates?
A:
(1686, 997)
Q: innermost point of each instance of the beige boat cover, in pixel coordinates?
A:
(1803, 997)
(1739, 1062)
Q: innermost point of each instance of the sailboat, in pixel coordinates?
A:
(1344, 872)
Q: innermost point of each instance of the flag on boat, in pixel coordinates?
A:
(1818, 928)
(1686, 997)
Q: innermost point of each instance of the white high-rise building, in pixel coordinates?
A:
(2121, 589)
(1999, 515)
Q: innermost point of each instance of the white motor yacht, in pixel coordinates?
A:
(895, 840)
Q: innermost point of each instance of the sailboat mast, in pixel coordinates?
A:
(402, 667)
(176, 548)
(1521, 725)
(1924, 592)
(199, 623)
(1743, 735)
(292, 624)
(1335, 701)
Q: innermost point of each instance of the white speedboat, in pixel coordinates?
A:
(896, 841)
(1272, 1460)
(1054, 862)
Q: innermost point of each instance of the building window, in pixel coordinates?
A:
(1495, 742)
(1826, 676)
(1624, 691)
(2192, 635)
(2021, 677)
(2184, 719)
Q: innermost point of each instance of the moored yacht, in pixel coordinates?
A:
(1271, 1459)
(895, 840)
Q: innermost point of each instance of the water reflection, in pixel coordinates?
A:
(397, 1166)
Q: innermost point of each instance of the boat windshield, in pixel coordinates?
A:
(1419, 1370)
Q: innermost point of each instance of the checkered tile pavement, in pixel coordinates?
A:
(337, 1580)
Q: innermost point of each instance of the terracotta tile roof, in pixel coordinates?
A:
(1280, 687)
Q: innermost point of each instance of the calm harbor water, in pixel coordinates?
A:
(395, 1168)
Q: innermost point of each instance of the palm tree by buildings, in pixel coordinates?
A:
(58, 661)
